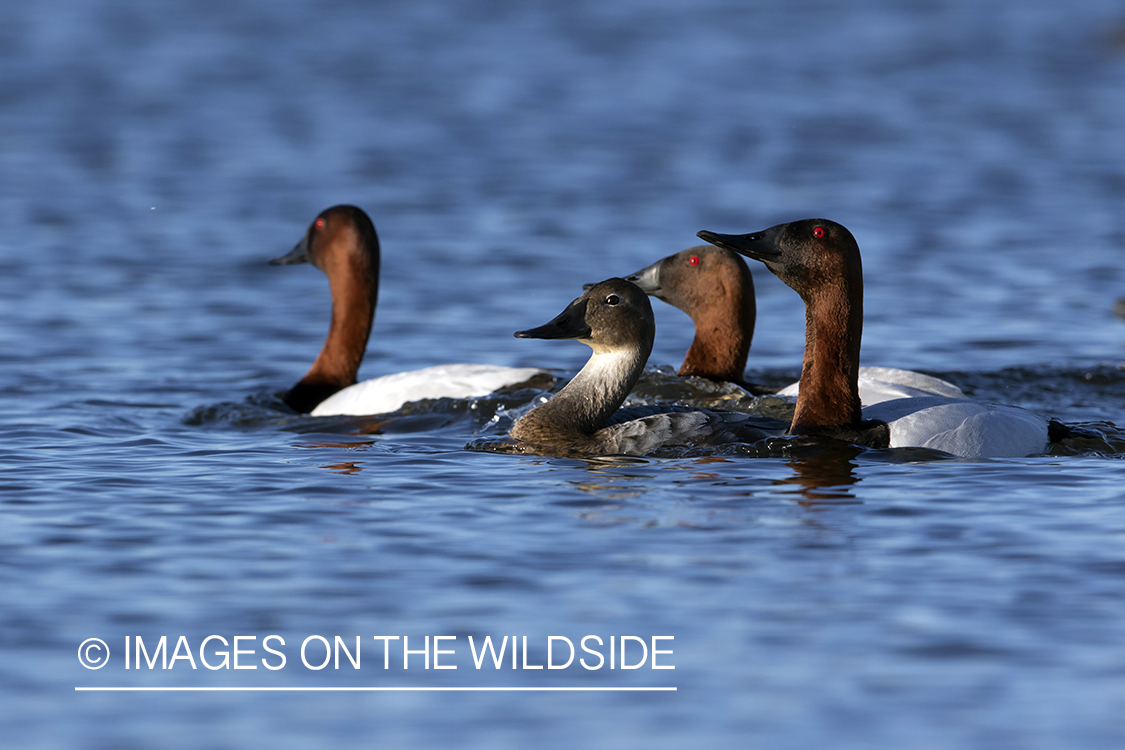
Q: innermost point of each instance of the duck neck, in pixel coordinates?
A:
(722, 339)
(354, 285)
(586, 403)
(829, 394)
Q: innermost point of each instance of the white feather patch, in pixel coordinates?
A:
(389, 392)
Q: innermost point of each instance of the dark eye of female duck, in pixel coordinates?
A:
(693, 260)
(612, 299)
(818, 232)
(319, 223)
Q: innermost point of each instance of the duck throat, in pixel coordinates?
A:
(354, 296)
(722, 342)
(587, 402)
(829, 394)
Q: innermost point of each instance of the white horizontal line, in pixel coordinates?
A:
(375, 689)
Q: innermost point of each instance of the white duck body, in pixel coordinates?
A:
(970, 429)
(390, 392)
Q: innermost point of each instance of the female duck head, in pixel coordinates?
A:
(611, 316)
(342, 243)
(614, 318)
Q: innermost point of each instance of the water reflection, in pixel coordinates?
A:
(824, 468)
(709, 475)
(826, 477)
(349, 467)
(333, 444)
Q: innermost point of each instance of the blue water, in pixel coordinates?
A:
(155, 155)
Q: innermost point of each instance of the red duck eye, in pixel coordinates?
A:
(319, 223)
(818, 232)
(693, 260)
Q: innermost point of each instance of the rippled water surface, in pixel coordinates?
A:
(155, 155)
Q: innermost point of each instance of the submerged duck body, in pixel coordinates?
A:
(714, 286)
(820, 260)
(342, 243)
(614, 318)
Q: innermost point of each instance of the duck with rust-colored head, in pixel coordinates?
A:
(342, 243)
(820, 260)
(714, 287)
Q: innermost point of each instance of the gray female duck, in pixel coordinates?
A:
(614, 318)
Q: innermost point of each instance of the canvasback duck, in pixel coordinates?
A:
(342, 243)
(614, 318)
(820, 260)
(714, 287)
